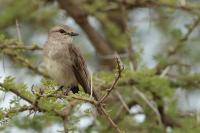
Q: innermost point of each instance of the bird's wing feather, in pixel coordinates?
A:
(80, 69)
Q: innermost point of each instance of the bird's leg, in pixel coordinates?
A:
(64, 90)
(74, 89)
(60, 88)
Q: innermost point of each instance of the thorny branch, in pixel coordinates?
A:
(66, 111)
(179, 45)
(7, 49)
(124, 105)
(21, 109)
(185, 37)
(20, 47)
(191, 29)
(25, 63)
(33, 101)
(155, 4)
(99, 104)
(120, 68)
(154, 108)
(110, 120)
(101, 108)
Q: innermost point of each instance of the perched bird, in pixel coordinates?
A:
(64, 62)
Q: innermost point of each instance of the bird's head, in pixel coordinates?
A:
(63, 31)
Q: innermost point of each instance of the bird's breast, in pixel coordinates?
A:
(61, 71)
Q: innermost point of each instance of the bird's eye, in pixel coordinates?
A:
(62, 31)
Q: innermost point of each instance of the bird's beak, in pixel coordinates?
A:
(72, 34)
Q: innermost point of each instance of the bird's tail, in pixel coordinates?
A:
(90, 91)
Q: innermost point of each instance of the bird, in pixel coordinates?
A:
(64, 61)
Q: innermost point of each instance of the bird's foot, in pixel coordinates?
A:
(65, 91)
(61, 88)
(74, 89)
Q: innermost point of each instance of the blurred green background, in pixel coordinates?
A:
(157, 41)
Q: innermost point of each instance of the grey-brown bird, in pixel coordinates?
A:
(64, 62)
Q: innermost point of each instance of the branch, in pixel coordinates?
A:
(120, 68)
(85, 100)
(185, 37)
(66, 112)
(32, 99)
(98, 104)
(110, 120)
(124, 105)
(10, 50)
(29, 99)
(171, 52)
(154, 4)
(18, 31)
(20, 47)
(12, 110)
(25, 62)
(155, 110)
(101, 108)
(191, 29)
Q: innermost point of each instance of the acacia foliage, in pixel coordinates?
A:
(151, 89)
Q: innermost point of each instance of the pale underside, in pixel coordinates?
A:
(58, 63)
(62, 74)
(65, 63)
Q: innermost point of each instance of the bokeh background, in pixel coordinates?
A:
(156, 40)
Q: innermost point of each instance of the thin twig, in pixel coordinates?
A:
(19, 36)
(21, 109)
(91, 86)
(3, 63)
(63, 114)
(191, 29)
(65, 122)
(179, 45)
(21, 47)
(85, 99)
(165, 71)
(154, 4)
(137, 91)
(66, 112)
(110, 120)
(113, 56)
(30, 99)
(120, 68)
(122, 101)
(25, 63)
(99, 104)
(16, 92)
(184, 38)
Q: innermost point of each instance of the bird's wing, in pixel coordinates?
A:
(80, 69)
